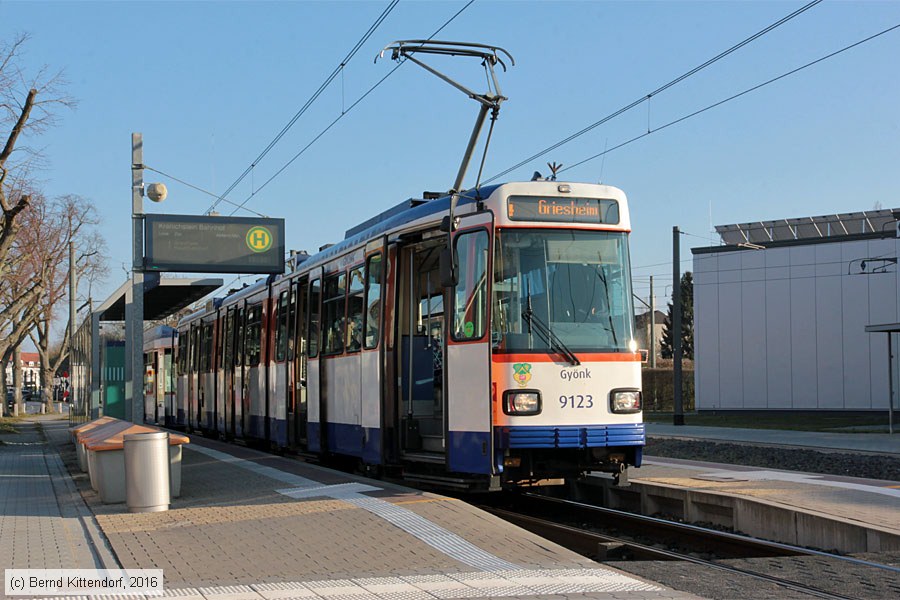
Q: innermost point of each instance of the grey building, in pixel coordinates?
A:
(781, 310)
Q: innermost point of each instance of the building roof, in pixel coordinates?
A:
(27, 357)
(825, 226)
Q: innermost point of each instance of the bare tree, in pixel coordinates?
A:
(45, 234)
(27, 107)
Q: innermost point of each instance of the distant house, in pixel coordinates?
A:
(31, 371)
(642, 330)
(781, 310)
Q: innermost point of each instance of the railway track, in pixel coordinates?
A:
(610, 535)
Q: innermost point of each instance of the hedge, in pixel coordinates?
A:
(658, 391)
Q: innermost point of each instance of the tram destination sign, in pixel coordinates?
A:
(204, 244)
(562, 210)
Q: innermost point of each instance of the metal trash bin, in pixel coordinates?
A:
(147, 471)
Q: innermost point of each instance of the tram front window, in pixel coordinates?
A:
(573, 282)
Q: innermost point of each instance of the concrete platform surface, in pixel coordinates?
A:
(251, 525)
(827, 512)
(884, 443)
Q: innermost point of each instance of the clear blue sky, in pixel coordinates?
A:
(210, 84)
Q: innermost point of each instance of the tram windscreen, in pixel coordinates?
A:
(575, 283)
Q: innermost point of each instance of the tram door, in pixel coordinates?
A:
(468, 358)
(193, 421)
(421, 327)
(228, 375)
(297, 362)
(237, 402)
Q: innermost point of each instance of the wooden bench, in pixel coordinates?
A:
(104, 448)
(83, 429)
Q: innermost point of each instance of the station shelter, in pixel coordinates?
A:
(98, 372)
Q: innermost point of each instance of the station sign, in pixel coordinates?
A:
(207, 244)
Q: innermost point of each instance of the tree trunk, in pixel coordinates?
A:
(47, 392)
(17, 378)
(3, 383)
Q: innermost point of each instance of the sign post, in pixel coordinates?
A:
(134, 301)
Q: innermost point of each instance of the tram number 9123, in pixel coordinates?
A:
(577, 401)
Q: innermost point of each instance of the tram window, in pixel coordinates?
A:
(149, 375)
(281, 330)
(333, 305)
(315, 293)
(167, 366)
(252, 333)
(182, 353)
(228, 356)
(470, 295)
(355, 303)
(291, 322)
(195, 349)
(373, 300)
(239, 338)
(205, 347)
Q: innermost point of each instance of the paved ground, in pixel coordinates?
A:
(43, 520)
(253, 525)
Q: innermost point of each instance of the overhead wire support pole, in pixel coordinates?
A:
(652, 326)
(73, 313)
(678, 408)
(134, 320)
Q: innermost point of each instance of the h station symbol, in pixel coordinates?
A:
(259, 239)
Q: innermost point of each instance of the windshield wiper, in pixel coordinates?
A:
(551, 338)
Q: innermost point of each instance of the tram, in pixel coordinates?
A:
(477, 340)
(489, 350)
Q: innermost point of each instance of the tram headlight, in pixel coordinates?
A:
(625, 401)
(522, 402)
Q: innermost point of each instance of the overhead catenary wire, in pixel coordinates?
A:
(658, 90)
(343, 114)
(735, 96)
(321, 89)
(199, 189)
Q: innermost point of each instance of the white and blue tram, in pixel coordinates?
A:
(508, 361)
(159, 376)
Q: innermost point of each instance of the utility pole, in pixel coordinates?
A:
(676, 326)
(73, 285)
(652, 326)
(134, 300)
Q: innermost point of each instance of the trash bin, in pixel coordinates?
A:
(147, 471)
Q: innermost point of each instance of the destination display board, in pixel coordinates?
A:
(204, 244)
(562, 210)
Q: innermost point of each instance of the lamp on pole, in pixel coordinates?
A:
(134, 300)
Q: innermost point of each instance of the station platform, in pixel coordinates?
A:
(882, 443)
(828, 512)
(250, 525)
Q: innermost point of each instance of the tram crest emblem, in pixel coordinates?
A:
(522, 373)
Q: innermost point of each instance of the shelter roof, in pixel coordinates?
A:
(162, 297)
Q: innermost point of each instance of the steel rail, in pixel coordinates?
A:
(728, 542)
(582, 542)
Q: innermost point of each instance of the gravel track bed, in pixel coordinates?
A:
(869, 466)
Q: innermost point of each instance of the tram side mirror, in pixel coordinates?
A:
(447, 268)
(448, 225)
